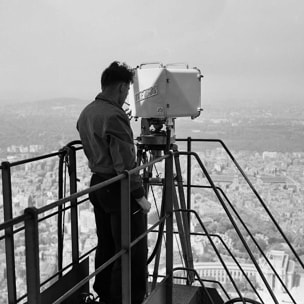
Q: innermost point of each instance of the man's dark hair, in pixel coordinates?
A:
(115, 73)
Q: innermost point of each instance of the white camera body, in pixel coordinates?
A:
(165, 92)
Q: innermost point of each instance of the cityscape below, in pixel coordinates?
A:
(266, 142)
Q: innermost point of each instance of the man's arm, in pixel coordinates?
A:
(122, 151)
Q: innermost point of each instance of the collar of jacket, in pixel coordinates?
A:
(100, 97)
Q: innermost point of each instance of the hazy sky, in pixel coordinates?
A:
(251, 49)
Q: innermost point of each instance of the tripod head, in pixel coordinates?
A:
(157, 134)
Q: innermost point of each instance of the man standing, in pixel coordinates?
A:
(107, 139)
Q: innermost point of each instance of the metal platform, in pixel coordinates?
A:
(183, 294)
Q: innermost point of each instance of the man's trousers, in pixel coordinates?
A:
(107, 285)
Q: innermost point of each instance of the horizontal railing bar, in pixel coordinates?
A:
(87, 253)
(22, 218)
(98, 186)
(49, 155)
(14, 232)
(14, 221)
(29, 160)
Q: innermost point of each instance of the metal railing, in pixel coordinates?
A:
(31, 218)
(220, 194)
(9, 222)
(249, 183)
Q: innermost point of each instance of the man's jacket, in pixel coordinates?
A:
(107, 139)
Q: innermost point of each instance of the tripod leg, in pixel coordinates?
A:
(142, 159)
(182, 235)
(159, 243)
(185, 227)
(156, 254)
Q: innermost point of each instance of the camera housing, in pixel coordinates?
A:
(165, 91)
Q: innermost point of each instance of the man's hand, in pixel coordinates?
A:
(144, 204)
(128, 111)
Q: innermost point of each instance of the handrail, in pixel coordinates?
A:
(254, 191)
(10, 223)
(41, 157)
(29, 160)
(214, 188)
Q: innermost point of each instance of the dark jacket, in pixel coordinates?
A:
(107, 139)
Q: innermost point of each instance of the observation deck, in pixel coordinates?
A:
(49, 260)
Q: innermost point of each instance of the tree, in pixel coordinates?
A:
(253, 247)
(299, 241)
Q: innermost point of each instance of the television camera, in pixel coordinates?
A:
(161, 93)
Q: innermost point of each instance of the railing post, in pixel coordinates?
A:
(9, 235)
(125, 240)
(189, 174)
(169, 225)
(74, 208)
(32, 256)
(60, 220)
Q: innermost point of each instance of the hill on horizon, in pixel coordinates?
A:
(52, 122)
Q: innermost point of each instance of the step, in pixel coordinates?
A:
(181, 294)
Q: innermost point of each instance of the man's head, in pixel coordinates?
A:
(116, 73)
(117, 79)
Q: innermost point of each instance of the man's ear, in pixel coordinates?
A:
(120, 87)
